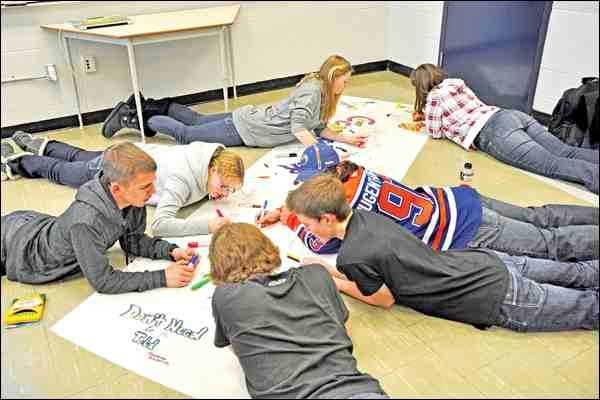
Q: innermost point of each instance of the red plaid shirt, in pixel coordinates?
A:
(454, 111)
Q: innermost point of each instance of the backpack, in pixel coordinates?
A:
(575, 116)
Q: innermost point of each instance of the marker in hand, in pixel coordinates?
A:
(219, 213)
(262, 211)
(194, 261)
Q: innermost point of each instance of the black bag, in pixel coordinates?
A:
(575, 116)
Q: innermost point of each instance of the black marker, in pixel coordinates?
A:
(286, 155)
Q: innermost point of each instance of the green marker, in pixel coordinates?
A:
(205, 279)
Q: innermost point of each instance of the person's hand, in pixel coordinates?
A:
(216, 223)
(412, 126)
(418, 116)
(269, 218)
(182, 254)
(284, 214)
(178, 274)
(355, 139)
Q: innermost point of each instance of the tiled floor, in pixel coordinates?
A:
(413, 355)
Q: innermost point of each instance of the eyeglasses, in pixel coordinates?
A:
(228, 190)
(225, 189)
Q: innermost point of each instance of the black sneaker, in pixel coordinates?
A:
(28, 143)
(131, 101)
(116, 120)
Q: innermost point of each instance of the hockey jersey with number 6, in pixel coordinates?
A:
(443, 218)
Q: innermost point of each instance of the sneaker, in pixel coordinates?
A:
(131, 101)
(7, 151)
(28, 143)
(120, 117)
(8, 154)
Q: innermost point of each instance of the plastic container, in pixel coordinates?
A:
(466, 175)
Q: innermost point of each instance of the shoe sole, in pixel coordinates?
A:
(39, 152)
(110, 117)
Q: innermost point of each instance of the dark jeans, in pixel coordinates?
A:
(187, 126)
(61, 163)
(546, 295)
(517, 139)
(557, 232)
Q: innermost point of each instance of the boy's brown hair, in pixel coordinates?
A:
(122, 162)
(321, 194)
(241, 251)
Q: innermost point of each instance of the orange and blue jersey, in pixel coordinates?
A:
(443, 218)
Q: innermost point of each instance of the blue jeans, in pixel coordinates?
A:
(546, 295)
(517, 139)
(557, 232)
(187, 126)
(61, 163)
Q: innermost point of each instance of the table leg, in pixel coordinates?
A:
(231, 70)
(136, 90)
(224, 67)
(70, 61)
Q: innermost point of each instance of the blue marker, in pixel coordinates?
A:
(264, 208)
(194, 261)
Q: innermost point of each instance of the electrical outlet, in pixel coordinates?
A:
(88, 63)
(51, 72)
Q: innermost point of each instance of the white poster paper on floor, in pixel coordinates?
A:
(166, 335)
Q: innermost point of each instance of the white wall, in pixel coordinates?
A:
(570, 52)
(270, 40)
(413, 31)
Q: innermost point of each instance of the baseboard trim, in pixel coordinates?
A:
(95, 117)
(400, 68)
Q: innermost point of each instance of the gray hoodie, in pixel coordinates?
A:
(275, 124)
(181, 180)
(39, 248)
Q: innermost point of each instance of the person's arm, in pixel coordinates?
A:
(310, 240)
(433, 116)
(305, 137)
(381, 298)
(172, 199)
(89, 247)
(134, 241)
(304, 108)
